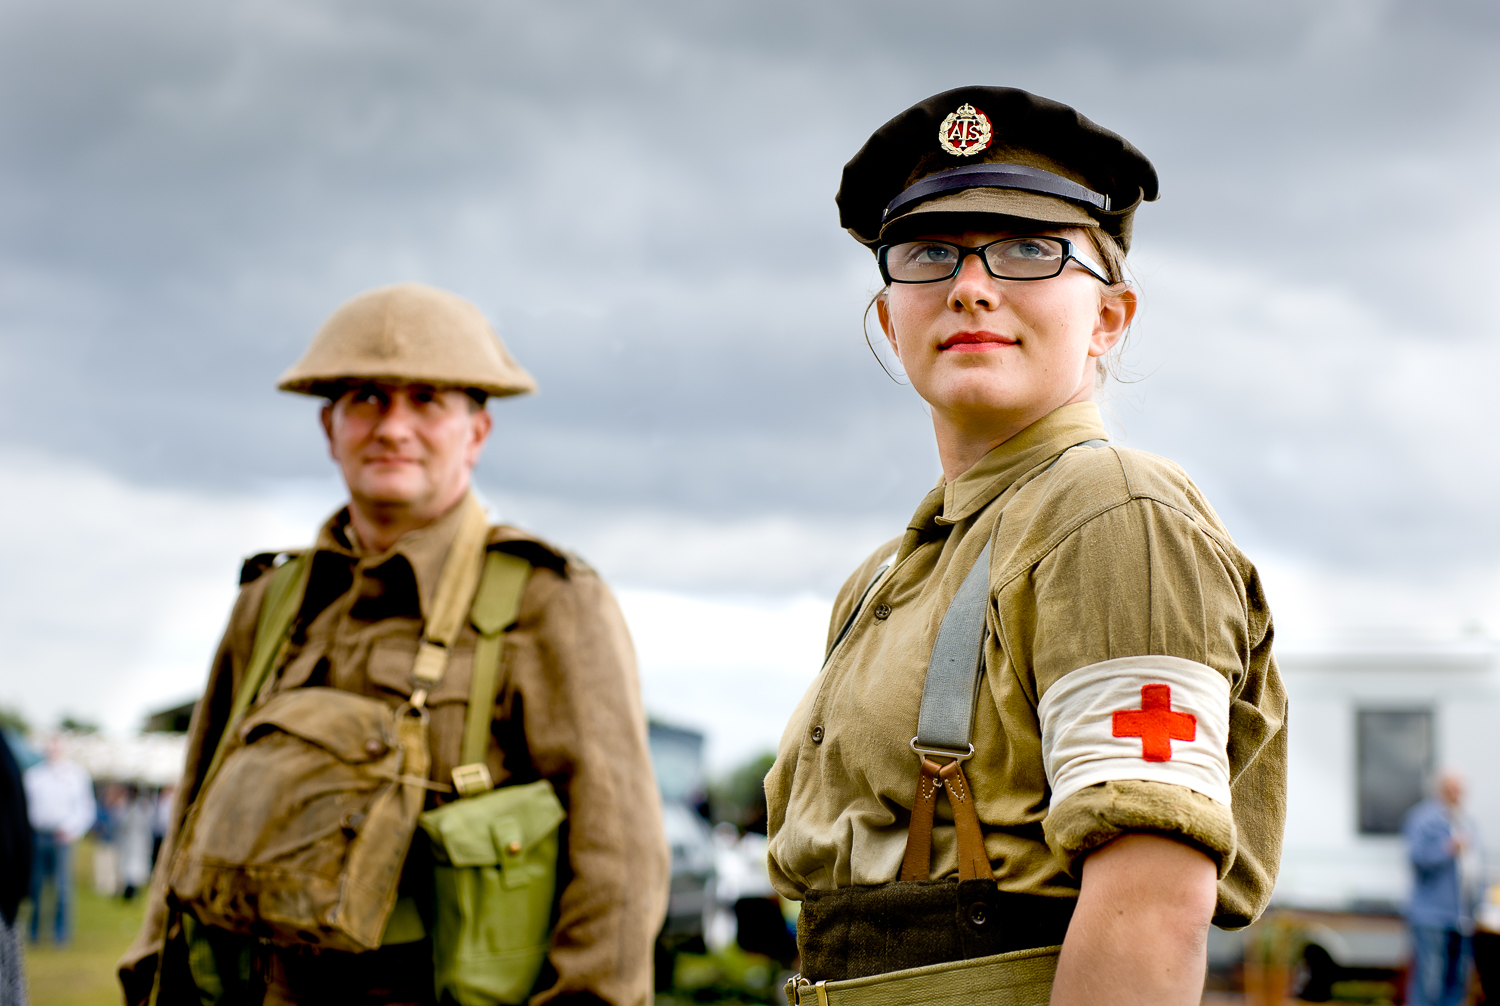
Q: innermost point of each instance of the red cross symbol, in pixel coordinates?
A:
(1155, 723)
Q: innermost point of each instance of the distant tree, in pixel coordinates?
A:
(739, 796)
(12, 721)
(71, 724)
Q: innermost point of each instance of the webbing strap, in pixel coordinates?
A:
(496, 604)
(455, 587)
(278, 609)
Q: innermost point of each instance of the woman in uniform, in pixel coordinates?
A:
(1049, 716)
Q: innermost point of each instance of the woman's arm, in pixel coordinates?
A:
(1140, 932)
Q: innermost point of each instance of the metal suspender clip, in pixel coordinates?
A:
(942, 752)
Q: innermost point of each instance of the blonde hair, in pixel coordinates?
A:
(1112, 258)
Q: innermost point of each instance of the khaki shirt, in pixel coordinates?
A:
(1111, 578)
(568, 710)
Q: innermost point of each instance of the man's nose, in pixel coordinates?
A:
(396, 418)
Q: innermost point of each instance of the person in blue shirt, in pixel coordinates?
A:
(1442, 844)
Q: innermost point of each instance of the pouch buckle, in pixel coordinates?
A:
(472, 779)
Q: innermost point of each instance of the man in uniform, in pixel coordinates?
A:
(406, 371)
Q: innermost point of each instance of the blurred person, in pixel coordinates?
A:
(1487, 944)
(133, 841)
(1443, 847)
(161, 820)
(1064, 643)
(106, 849)
(60, 802)
(15, 874)
(368, 671)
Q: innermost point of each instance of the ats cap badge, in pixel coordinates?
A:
(965, 132)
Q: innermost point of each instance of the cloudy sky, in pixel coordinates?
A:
(640, 198)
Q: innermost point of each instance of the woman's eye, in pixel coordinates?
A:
(1031, 250)
(933, 254)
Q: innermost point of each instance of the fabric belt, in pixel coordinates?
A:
(1020, 978)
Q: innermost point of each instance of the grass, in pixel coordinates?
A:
(729, 977)
(83, 974)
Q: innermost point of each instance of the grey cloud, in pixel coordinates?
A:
(640, 196)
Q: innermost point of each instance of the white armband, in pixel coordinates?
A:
(1158, 719)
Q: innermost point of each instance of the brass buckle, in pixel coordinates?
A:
(796, 984)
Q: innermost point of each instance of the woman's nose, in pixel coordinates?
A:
(973, 287)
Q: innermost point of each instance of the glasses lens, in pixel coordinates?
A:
(921, 261)
(1026, 258)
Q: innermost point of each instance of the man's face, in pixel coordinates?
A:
(405, 446)
(1451, 790)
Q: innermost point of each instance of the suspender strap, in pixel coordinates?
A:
(952, 687)
(496, 604)
(944, 726)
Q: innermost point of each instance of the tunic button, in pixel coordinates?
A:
(976, 913)
(373, 748)
(883, 612)
(817, 734)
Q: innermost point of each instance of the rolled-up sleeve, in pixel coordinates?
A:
(1143, 630)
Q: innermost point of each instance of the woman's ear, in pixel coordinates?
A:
(1117, 309)
(883, 312)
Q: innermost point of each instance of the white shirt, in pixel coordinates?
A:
(60, 797)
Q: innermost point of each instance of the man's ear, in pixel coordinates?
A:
(325, 416)
(483, 424)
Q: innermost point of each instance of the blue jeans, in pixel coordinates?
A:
(53, 859)
(1439, 967)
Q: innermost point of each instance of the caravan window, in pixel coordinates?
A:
(1395, 759)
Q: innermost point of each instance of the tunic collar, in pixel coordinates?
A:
(424, 549)
(998, 470)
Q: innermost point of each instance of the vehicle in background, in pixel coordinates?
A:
(677, 758)
(749, 912)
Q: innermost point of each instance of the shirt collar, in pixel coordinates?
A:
(424, 549)
(1032, 448)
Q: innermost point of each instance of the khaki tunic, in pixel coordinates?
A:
(568, 710)
(1102, 554)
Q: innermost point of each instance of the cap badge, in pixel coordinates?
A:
(965, 132)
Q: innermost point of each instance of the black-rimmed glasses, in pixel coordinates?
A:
(1023, 258)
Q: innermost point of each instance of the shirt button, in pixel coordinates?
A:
(817, 734)
(883, 611)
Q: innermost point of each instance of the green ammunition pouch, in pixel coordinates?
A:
(339, 782)
(496, 875)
